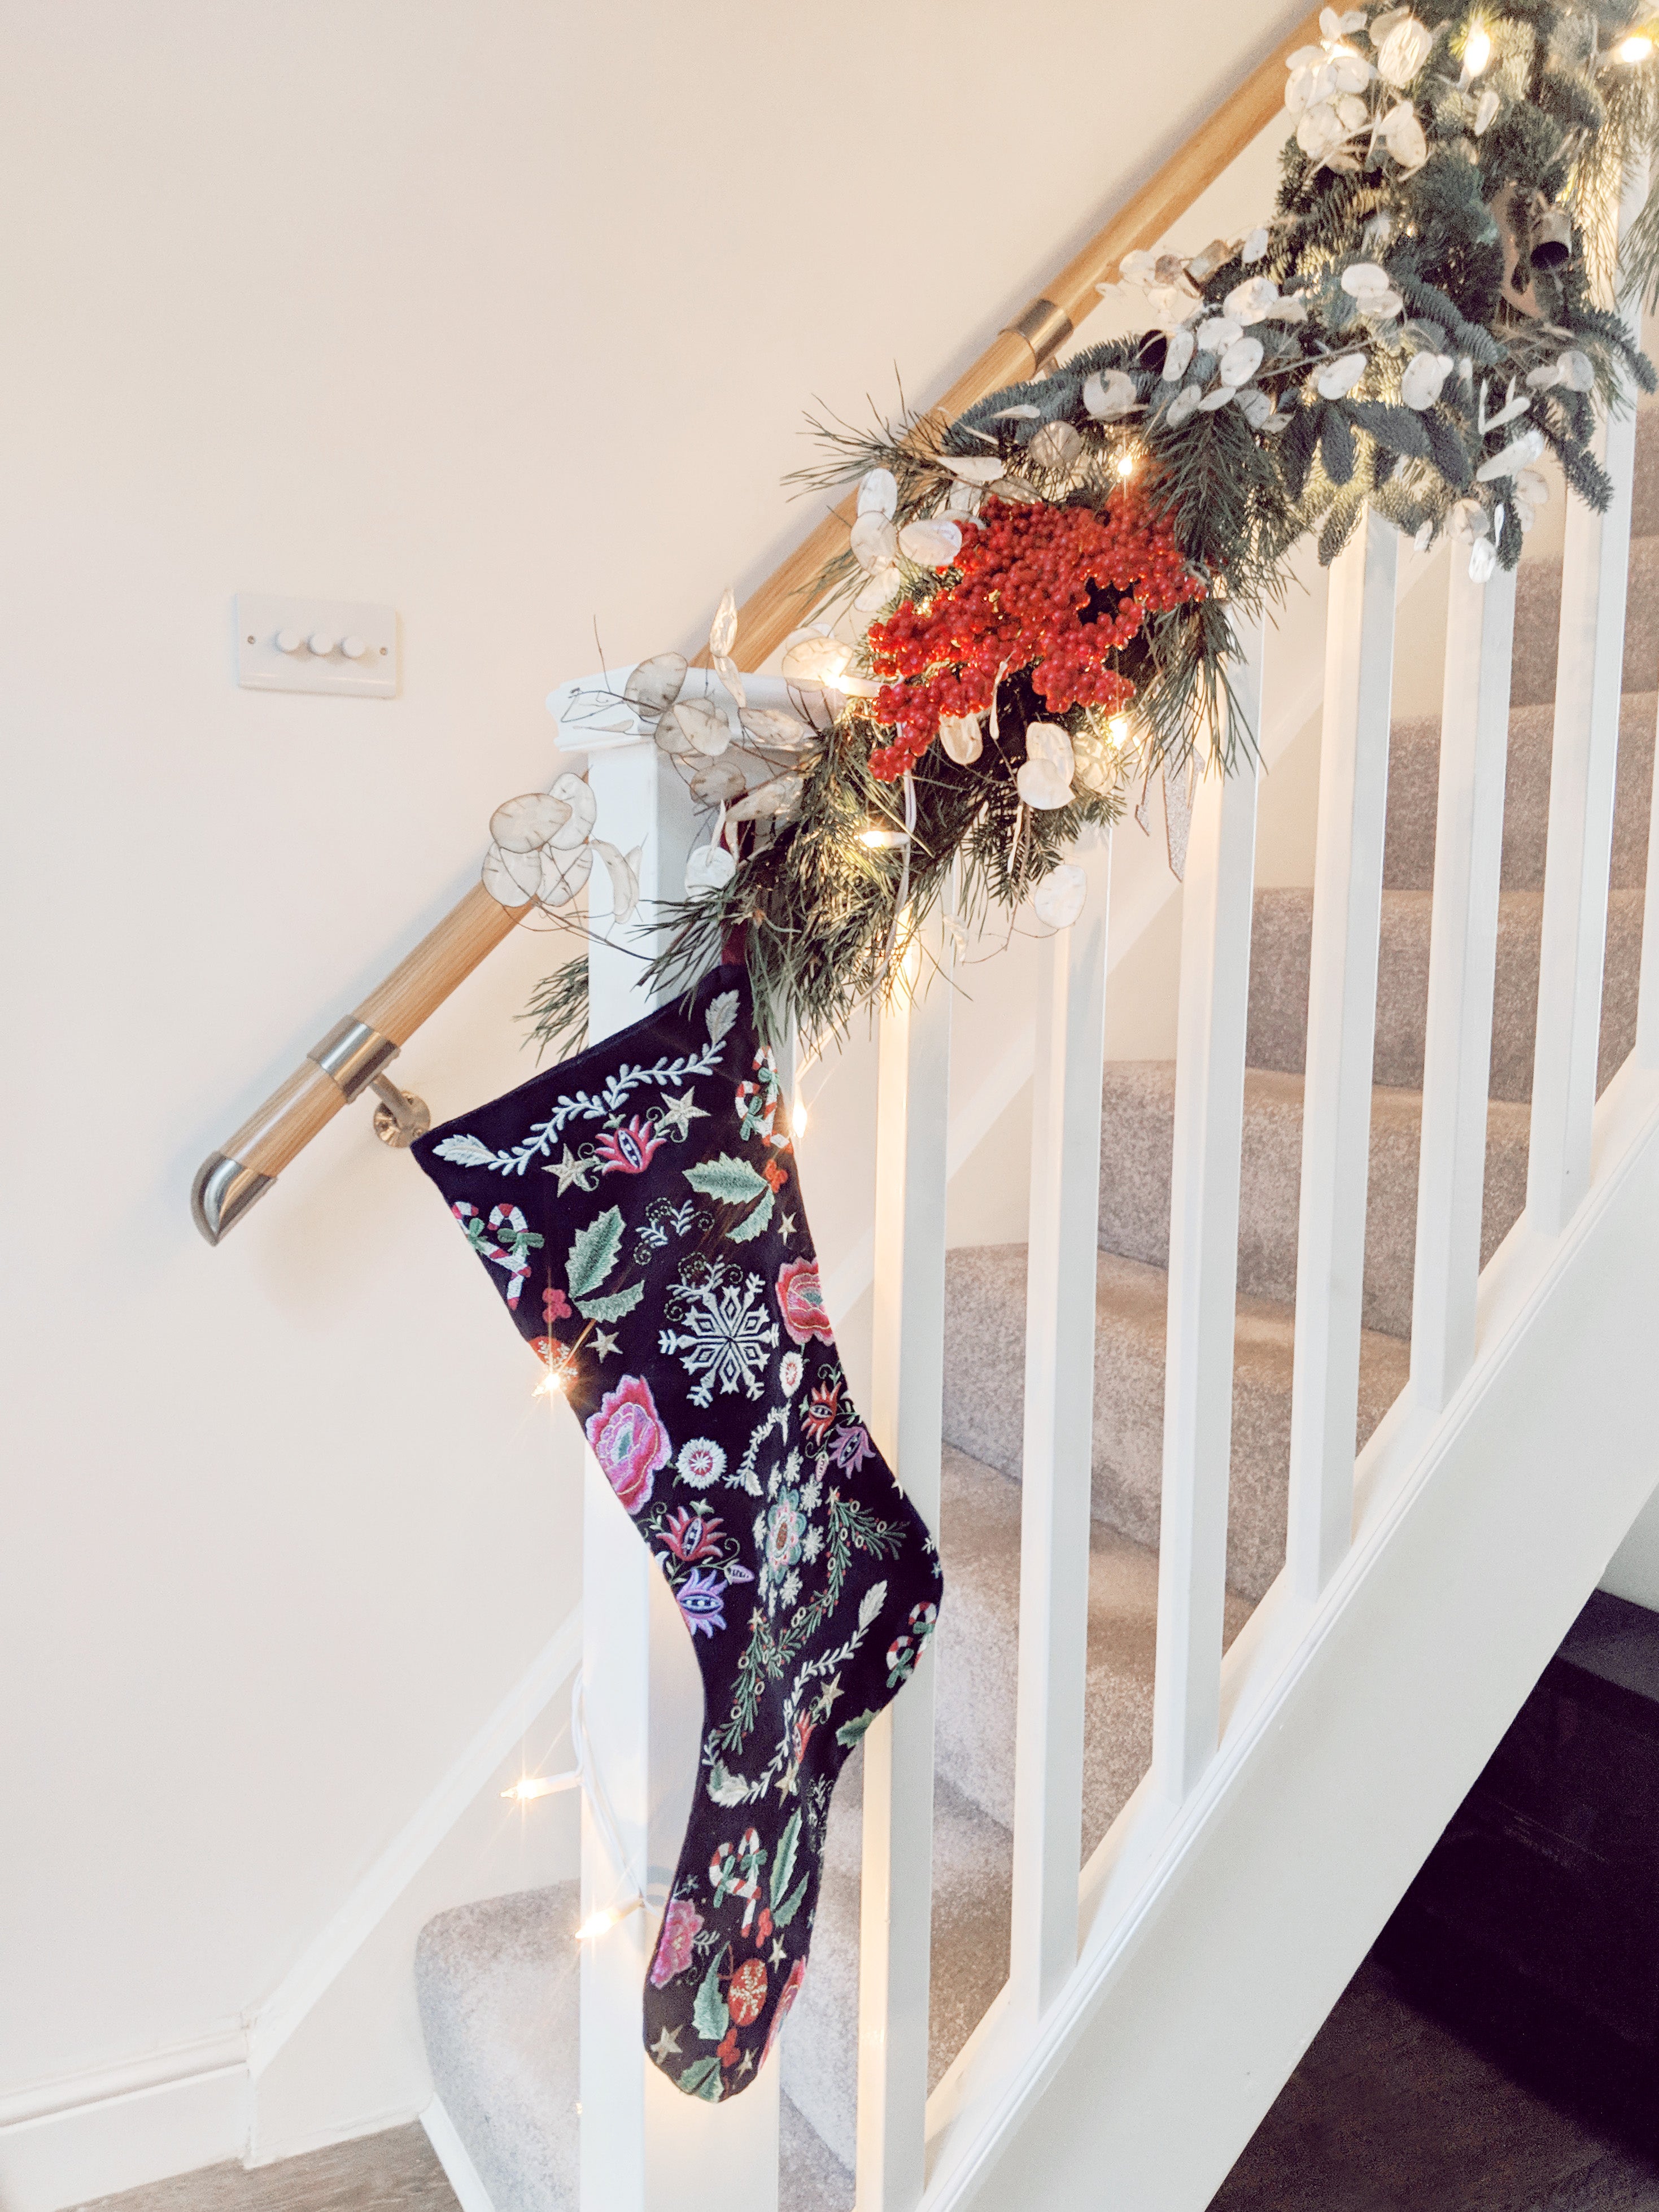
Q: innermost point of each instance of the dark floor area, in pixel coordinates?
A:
(1439, 2085)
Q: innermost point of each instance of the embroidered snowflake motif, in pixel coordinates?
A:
(726, 1336)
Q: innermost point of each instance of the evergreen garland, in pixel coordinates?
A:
(1427, 312)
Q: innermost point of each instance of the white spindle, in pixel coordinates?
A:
(1647, 1007)
(1336, 1111)
(1589, 679)
(1468, 850)
(1059, 1376)
(645, 2147)
(1217, 895)
(912, 1110)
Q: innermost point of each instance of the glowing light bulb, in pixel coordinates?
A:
(1125, 464)
(1636, 49)
(528, 1786)
(798, 1118)
(1477, 50)
(600, 1923)
(1118, 727)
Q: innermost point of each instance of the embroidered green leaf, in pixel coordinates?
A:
(613, 1307)
(699, 2075)
(593, 1254)
(733, 1181)
(726, 1788)
(753, 1222)
(710, 2014)
(784, 1913)
(721, 1014)
(849, 1732)
(783, 1863)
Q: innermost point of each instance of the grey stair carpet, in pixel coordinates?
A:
(498, 1981)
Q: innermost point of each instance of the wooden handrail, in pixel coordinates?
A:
(358, 1048)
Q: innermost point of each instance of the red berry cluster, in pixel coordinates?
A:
(1025, 578)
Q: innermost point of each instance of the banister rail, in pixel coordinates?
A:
(356, 1051)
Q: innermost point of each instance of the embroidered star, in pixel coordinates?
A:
(676, 1115)
(828, 1695)
(779, 1954)
(748, 2065)
(667, 2045)
(570, 1169)
(786, 1226)
(605, 1345)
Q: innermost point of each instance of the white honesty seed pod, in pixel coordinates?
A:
(1339, 377)
(1424, 376)
(932, 544)
(1059, 897)
(702, 726)
(1055, 446)
(961, 737)
(511, 879)
(811, 656)
(576, 795)
(656, 684)
(1043, 785)
(878, 493)
(1241, 361)
(524, 824)
(709, 868)
(1107, 396)
(564, 875)
(723, 631)
(874, 541)
(718, 781)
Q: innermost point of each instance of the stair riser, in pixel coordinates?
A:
(1414, 790)
(1538, 624)
(1137, 1146)
(984, 1364)
(1279, 949)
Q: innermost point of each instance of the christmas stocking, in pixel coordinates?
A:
(638, 1211)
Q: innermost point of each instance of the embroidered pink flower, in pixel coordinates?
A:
(680, 1923)
(746, 1993)
(692, 1537)
(628, 1150)
(786, 1996)
(628, 1440)
(801, 1300)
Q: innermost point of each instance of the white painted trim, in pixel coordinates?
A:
(1001, 2074)
(270, 2024)
(463, 2176)
(121, 2127)
(158, 2069)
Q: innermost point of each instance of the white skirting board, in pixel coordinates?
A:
(104, 2143)
(463, 2178)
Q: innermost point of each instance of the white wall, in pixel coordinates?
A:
(507, 315)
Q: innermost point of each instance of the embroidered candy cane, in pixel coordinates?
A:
(513, 1256)
(737, 1875)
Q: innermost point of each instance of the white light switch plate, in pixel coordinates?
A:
(306, 626)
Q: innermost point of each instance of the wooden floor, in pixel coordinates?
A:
(1393, 2108)
(395, 2171)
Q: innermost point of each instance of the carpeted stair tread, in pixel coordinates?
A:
(496, 1984)
(978, 1651)
(1281, 939)
(1414, 782)
(1137, 1149)
(984, 1371)
(973, 1879)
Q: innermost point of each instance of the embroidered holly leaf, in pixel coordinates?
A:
(783, 1863)
(850, 1732)
(871, 1604)
(753, 1222)
(784, 1913)
(732, 1181)
(612, 1308)
(593, 1254)
(467, 1151)
(710, 2014)
(726, 1788)
(720, 1015)
(701, 2078)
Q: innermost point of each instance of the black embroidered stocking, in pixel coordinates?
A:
(637, 1208)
